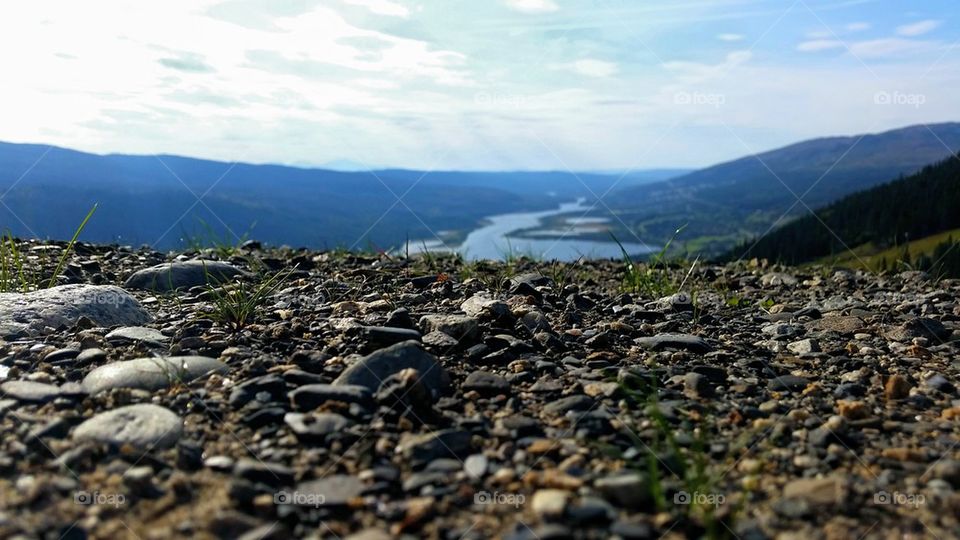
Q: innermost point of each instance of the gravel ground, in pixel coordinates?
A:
(374, 397)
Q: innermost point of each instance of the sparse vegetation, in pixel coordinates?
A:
(651, 279)
(236, 305)
(18, 275)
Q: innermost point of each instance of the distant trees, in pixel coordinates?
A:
(892, 214)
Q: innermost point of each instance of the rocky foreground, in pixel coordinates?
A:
(374, 397)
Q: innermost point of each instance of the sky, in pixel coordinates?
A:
(472, 84)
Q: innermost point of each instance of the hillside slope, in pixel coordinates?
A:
(742, 198)
(886, 216)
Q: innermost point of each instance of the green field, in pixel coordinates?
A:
(872, 257)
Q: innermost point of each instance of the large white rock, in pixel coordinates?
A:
(41, 312)
(151, 373)
(143, 426)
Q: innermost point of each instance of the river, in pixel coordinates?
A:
(493, 240)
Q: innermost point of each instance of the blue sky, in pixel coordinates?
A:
(472, 84)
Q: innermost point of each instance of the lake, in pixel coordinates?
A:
(493, 240)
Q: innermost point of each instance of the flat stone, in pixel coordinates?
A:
(385, 335)
(627, 490)
(438, 444)
(315, 426)
(561, 406)
(549, 503)
(486, 383)
(459, 327)
(264, 472)
(818, 492)
(371, 370)
(845, 325)
(480, 305)
(788, 383)
(336, 490)
(43, 311)
(135, 334)
(923, 327)
(143, 426)
(182, 275)
(151, 373)
(804, 346)
(687, 342)
(29, 391)
(311, 396)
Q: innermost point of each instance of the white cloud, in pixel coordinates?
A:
(858, 26)
(918, 28)
(730, 37)
(590, 67)
(883, 48)
(382, 7)
(817, 45)
(532, 6)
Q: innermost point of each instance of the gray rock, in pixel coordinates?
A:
(697, 385)
(923, 327)
(674, 341)
(151, 373)
(143, 426)
(789, 383)
(29, 391)
(134, 334)
(486, 383)
(371, 370)
(36, 313)
(425, 448)
(336, 490)
(476, 466)
(459, 327)
(561, 406)
(845, 325)
(315, 426)
(311, 396)
(804, 346)
(182, 275)
(534, 321)
(480, 305)
(385, 335)
(627, 490)
(776, 279)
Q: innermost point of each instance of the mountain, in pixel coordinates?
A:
(882, 218)
(47, 190)
(726, 203)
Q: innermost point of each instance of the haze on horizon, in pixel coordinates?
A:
(457, 84)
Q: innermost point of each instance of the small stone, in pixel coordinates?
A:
(804, 346)
(844, 325)
(29, 391)
(687, 342)
(311, 396)
(371, 370)
(459, 327)
(578, 402)
(818, 492)
(143, 426)
(439, 444)
(336, 490)
(137, 334)
(486, 383)
(383, 335)
(476, 466)
(897, 387)
(853, 410)
(315, 426)
(549, 503)
(788, 383)
(696, 385)
(628, 490)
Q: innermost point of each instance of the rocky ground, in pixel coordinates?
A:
(373, 397)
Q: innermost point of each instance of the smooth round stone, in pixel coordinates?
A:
(38, 312)
(29, 391)
(151, 373)
(143, 426)
(315, 425)
(182, 275)
(135, 334)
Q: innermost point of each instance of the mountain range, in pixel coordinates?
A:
(166, 200)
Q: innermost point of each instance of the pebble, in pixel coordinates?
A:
(371, 370)
(142, 426)
(151, 373)
(182, 275)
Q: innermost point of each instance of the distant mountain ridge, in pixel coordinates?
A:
(726, 203)
(49, 189)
